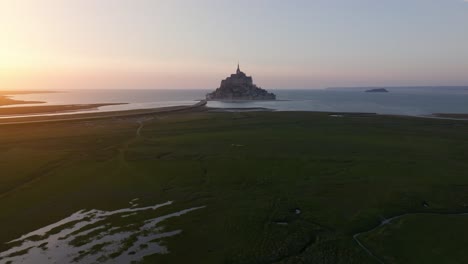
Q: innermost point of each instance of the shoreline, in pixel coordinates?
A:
(68, 115)
(33, 109)
(19, 111)
(100, 115)
(6, 100)
(11, 110)
(459, 116)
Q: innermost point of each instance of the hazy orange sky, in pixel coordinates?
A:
(89, 44)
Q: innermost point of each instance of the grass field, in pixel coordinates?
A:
(422, 238)
(278, 187)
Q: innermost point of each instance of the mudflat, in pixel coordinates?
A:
(6, 100)
(48, 109)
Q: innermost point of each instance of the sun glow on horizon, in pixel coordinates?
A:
(179, 44)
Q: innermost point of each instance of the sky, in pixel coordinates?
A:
(152, 44)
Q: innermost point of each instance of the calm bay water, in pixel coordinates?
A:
(401, 101)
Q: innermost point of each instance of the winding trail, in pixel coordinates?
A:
(389, 221)
(141, 122)
(139, 128)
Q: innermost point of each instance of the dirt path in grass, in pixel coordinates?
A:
(126, 144)
(389, 221)
(141, 121)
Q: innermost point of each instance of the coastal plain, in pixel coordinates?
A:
(275, 187)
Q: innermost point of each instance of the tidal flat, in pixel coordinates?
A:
(249, 171)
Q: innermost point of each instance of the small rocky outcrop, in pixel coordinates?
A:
(239, 86)
(377, 90)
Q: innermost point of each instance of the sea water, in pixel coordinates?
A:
(400, 101)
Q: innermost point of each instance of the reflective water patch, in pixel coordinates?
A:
(95, 236)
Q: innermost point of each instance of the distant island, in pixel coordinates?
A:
(239, 86)
(402, 88)
(377, 90)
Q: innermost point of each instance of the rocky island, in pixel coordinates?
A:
(377, 90)
(239, 86)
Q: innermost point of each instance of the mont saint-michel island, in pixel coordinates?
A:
(239, 86)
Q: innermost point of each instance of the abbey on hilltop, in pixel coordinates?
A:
(239, 87)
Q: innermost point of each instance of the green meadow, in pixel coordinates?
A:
(278, 187)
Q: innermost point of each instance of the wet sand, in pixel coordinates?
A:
(100, 115)
(6, 100)
(48, 109)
